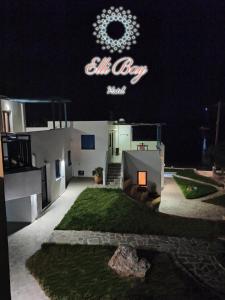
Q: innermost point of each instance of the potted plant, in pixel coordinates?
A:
(98, 175)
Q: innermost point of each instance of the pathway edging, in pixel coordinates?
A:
(199, 181)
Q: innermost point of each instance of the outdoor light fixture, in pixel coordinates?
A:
(7, 107)
(142, 178)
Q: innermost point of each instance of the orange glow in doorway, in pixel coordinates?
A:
(142, 178)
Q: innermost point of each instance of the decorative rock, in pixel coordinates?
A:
(126, 263)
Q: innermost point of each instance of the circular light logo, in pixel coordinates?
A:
(122, 17)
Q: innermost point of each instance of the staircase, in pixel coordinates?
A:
(114, 173)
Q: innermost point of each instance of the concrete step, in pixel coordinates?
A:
(113, 174)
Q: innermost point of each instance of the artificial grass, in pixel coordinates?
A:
(194, 190)
(77, 272)
(220, 201)
(110, 210)
(190, 173)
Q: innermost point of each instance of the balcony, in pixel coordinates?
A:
(16, 153)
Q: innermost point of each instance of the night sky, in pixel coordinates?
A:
(46, 44)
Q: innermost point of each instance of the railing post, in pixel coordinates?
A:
(158, 136)
(65, 115)
(53, 113)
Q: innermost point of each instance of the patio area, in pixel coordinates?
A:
(173, 202)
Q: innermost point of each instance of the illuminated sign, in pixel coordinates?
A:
(123, 66)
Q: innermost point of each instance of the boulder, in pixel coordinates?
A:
(126, 263)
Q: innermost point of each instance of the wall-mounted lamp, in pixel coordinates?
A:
(142, 178)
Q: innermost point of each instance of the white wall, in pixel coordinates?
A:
(149, 161)
(22, 210)
(88, 160)
(49, 126)
(22, 184)
(22, 191)
(48, 146)
(17, 115)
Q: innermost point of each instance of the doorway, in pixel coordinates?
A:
(119, 141)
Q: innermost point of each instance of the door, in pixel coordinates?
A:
(45, 201)
(119, 141)
(113, 147)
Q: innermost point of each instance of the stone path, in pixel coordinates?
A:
(197, 257)
(212, 196)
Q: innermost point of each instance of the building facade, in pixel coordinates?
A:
(39, 162)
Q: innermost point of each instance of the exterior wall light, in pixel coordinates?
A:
(142, 178)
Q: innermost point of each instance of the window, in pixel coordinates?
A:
(69, 158)
(87, 142)
(142, 178)
(16, 151)
(144, 133)
(57, 169)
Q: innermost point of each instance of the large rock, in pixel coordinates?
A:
(126, 263)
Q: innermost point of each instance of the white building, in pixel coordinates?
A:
(39, 162)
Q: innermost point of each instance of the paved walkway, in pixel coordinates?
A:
(173, 202)
(27, 241)
(197, 257)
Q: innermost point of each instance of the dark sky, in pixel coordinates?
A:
(46, 44)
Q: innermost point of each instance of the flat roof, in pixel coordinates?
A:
(147, 124)
(36, 100)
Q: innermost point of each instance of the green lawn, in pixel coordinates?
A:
(190, 173)
(68, 272)
(220, 201)
(110, 210)
(193, 190)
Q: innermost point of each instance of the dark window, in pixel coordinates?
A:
(88, 142)
(80, 173)
(16, 151)
(144, 133)
(57, 168)
(69, 158)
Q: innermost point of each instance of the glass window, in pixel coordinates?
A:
(57, 169)
(87, 142)
(69, 158)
